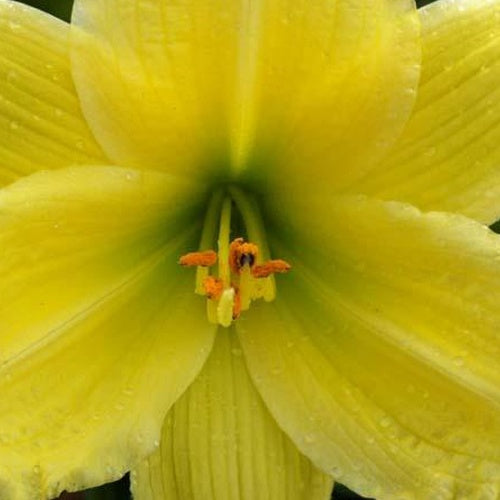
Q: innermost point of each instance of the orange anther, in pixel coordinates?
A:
(213, 287)
(236, 303)
(204, 259)
(241, 253)
(270, 267)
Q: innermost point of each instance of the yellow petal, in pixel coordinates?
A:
(41, 125)
(334, 84)
(383, 347)
(448, 156)
(219, 442)
(216, 83)
(94, 319)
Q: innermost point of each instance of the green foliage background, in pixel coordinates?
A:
(119, 490)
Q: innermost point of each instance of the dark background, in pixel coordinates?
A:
(62, 8)
(120, 489)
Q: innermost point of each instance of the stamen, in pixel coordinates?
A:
(241, 271)
(225, 307)
(213, 287)
(255, 230)
(271, 267)
(242, 253)
(236, 303)
(204, 259)
(223, 242)
(208, 235)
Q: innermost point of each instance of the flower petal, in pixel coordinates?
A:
(448, 156)
(100, 329)
(219, 83)
(383, 348)
(41, 125)
(219, 442)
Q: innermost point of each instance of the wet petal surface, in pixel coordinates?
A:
(270, 90)
(382, 348)
(93, 317)
(448, 156)
(219, 442)
(41, 125)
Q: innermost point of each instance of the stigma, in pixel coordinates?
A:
(241, 271)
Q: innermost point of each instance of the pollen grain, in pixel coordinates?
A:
(213, 287)
(270, 267)
(207, 258)
(242, 253)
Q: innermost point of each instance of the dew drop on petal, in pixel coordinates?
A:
(385, 422)
(430, 151)
(13, 26)
(336, 472)
(309, 438)
(11, 75)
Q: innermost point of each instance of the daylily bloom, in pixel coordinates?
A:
(157, 130)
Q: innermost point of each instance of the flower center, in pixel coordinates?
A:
(241, 271)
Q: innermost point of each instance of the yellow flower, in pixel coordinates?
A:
(150, 126)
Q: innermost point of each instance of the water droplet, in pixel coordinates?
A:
(458, 361)
(80, 144)
(11, 75)
(470, 465)
(336, 472)
(385, 422)
(156, 443)
(236, 352)
(410, 389)
(309, 438)
(360, 266)
(14, 125)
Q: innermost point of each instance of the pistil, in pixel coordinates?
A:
(240, 271)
